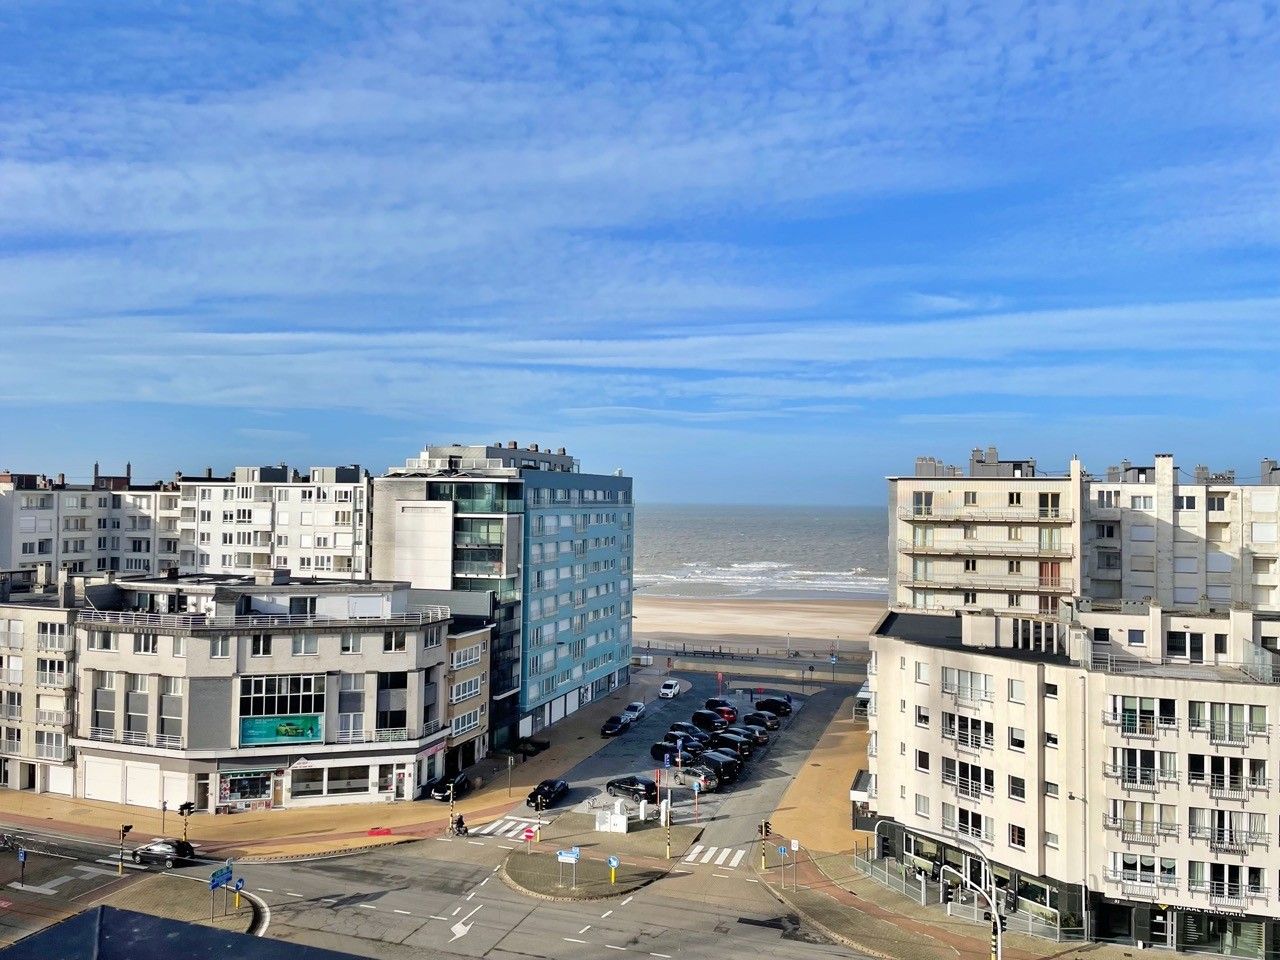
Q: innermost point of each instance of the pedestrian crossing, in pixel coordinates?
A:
(726, 858)
(509, 828)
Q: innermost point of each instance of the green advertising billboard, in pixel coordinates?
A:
(291, 728)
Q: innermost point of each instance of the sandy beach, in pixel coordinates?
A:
(811, 624)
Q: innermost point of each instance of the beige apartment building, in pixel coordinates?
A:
(1096, 728)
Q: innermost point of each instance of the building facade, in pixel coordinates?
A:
(552, 544)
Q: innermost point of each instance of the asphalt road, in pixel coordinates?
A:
(445, 895)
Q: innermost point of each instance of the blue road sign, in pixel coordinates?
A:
(666, 759)
(834, 658)
(239, 885)
(568, 856)
(219, 878)
(697, 786)
(614, 862)
(22, 855)
(783, 851)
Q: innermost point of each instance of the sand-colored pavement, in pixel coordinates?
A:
(318, 830)
(811, 624)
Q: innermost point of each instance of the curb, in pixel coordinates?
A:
(326, 855)
(525, 891)
(826, 931)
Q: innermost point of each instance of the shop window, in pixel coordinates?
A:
(307, 783)
(349, 779)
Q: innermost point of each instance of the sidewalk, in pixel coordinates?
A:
(178, 898)
(316, 831)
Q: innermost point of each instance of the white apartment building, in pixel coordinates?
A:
(267, 518)
(1008, 537)
(1098, 724)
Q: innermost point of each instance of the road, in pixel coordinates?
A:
(445, 895)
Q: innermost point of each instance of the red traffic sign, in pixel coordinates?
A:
(529, 834)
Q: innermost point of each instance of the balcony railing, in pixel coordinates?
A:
(136, 738)
(1140, 725)
(56, 718)
(52, 751)
(1138, 778)
(968, 695)
(974, 515)
(10, 675)
(975, 833)
(1139, 883)
(988, 548)
(386, 734)
(971, 742)
(181, 621)
(11, 711)
(11, 747)
(1233, 732)
(1228, 892)
(998, 583)
(47, 678)
(477, 568)
(486, 505)
(467, 539)
(50, 643)
(11, 639)
(1140, 831)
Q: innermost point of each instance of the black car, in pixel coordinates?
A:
(679, 758)
(774, 705)
(762, 718)
(615, 725)
(637, 788)
(168, 852)
(722, 707)
(708, 720)
(689, 730)
(687, 743)
(456, 786)
(725, 766)
(547, 794)
(757, 735)
(733, 743)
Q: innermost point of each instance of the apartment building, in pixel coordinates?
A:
(256, 691)
(265, 518)
(111, 523)
(552, 545)
(1005, 536)
(467, 677)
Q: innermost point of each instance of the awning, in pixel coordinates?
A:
(860, 791)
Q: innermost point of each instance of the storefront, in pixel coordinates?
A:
(248, 789)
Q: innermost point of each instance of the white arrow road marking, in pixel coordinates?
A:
(462, 928)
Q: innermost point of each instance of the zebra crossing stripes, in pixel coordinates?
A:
(506, 827)
(726, 858)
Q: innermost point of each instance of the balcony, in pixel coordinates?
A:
(1140, 726)
(477, 568)
(182, 621)
(10, 640)
(1232, 786)
(1140, 883)
(12, 748)
(1233, 732)
(45, 642)
(386, 734)
(1140, 831)
(53, 718)
(970, 742)
(466, 538)
(10, 675)
(488, 506)
(968, 696)
(974, 833)
(53, 751)
(1000, 584)
(987, 548)
(1139, 778)
(136, 738)
(45, 678)
(974, 515)
(1228, 893)
(11, 711)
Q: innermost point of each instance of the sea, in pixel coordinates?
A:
(779, 553)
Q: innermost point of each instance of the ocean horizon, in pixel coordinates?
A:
(766, 552)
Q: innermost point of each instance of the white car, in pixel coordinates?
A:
(634, 710)
(669, 689)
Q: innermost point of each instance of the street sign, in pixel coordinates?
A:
(666, 759)
(795, 844)
(783, 852)
(834, 658)
(697, 786)
(22, 855)
(614, 862)
(528, 834)
(219, 878)
(567, 856)
(239, 885)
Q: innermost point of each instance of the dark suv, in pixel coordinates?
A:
(708, 720)
(637, 788)
(774, 705)
(694, 745)
(663, 748)
(456, 786)
(757, 735)
(740, 746)
(722, 707)
(685, 728)
(725, 766)
(762, 718)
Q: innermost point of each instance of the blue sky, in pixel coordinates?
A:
(765, 252)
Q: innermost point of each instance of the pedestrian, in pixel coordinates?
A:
(788, 699)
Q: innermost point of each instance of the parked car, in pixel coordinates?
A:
(740, 746)
(762, 718)
(456, 786)
(615, 725)
(757, 735)
(694, 745)
(725, 766)
(689, 730)
(669, 690)
(775, 705)
(708, 720)
(547, 794)
(706, 778)
(722, 707)
(168, 852)
(634, 710)
(662, 748)
(637, 788)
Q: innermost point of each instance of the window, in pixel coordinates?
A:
(922, 672)
(1017, 788)
(1219, 643)
(1216, 502)
(970, 597)
(922, 761)
(1175, 643)
(179, 646)
(1015, 566)
(1015, 533)
(471, 655)
(1137, 638)
(102, 640)
(1141, 503)
(971, 498)
(393, 641)
(465, 722)
(273, 696)
(1105, 531)
(465, 690)
(1017, 837)
(260, 645)
(1015, 498)
(1184, 503)
(1050, 789)
(970, 531)
(145, 643)
(922, 716)
(220, 648)
(351, 643)
(970, 565)
(1016, 692)
(1051, 690)
(1051, 840)
(922, 805)
(137, 683)
(304, 646)
(1014, 600)
(1017, 739)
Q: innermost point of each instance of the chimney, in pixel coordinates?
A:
(512, 445)
(1201, 474)
(95, 471)
(208, 473)
(177, 476)
(560, 451)
(66, 590)
(992, 455)
(62, 479)
(533, 448)
(128, 472)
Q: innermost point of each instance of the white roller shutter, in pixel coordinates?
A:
(60, 780)
(142, 784)
(175, 789)
(102, 780)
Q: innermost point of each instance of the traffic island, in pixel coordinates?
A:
(549, 877)
(177, 897)
(646, 838)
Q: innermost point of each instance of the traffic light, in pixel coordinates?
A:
(948, 893)
(124, 830)
(186, 809)
(1003, 923)
(766, 828)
